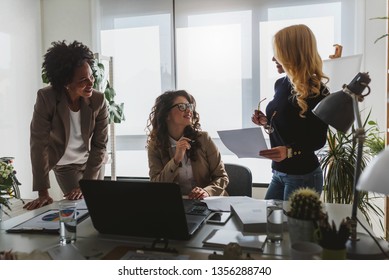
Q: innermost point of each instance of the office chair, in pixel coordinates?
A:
(240, 178)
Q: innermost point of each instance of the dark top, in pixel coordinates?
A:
(303, 135)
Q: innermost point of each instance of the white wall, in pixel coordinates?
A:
(376, 64)
(375, 61)
(20, 51)
(66, 20)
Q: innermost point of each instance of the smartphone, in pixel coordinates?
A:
(219, 218)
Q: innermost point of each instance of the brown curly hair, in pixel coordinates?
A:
(157, 124)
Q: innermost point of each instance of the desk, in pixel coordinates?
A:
(93, 245)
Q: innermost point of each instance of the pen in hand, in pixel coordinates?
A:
(190, 142)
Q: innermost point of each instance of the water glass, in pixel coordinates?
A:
(67, 222)
(275, 220)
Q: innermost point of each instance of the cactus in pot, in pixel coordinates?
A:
(305, 204)
(305, 211)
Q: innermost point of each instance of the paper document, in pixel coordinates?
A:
(223, 203)
(245, 142)
(68, 252)
(46, 222)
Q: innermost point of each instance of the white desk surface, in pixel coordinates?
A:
(93, 245)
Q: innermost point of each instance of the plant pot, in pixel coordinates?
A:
(332, 254)
(301, 230)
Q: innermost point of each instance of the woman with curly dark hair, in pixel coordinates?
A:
(69, 127)
(178, 151)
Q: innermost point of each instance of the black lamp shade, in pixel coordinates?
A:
(336, 110)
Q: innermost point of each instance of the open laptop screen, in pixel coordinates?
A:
(136, 208)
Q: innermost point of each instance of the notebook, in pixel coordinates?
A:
(142, 208)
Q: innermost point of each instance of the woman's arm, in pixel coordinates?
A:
(218, 175)
(99, 140)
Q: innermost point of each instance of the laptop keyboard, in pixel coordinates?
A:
(196, 208)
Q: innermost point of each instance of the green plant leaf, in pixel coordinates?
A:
(379, 38)
(116, 111)
(383, 36)
(338, 159)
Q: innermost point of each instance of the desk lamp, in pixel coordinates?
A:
(340, 110)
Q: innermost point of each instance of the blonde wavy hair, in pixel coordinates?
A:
(295, 49)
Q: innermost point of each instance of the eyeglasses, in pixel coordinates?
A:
(269, 129)
(183, 106)
(259, 103)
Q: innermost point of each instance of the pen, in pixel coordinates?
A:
(190, 142)
(259, 103)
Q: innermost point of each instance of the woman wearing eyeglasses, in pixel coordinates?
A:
(178, 151)
(295, 132)
(69, 126)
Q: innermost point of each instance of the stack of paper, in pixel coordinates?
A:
(251, 216)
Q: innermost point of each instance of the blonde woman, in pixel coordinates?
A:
(295, 132)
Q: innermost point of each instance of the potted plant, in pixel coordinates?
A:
(116, 111)
(9, 184)
(303, 215)
(338, 160)
(333, 241)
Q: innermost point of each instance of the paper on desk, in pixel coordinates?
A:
(223, 203)
(68, 252)
(245, 142)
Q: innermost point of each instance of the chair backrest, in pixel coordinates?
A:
(241, 180)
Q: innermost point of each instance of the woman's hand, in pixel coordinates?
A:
(259, 118)
(74, 194)
(277, 153)
(43, 199)
(182, 146)
(198, 193)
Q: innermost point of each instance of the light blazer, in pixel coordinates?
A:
(208, 169)
(50, 127)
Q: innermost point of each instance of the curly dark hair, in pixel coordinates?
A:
(61, 60)
(157, 125)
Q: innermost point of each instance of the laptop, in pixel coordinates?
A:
(142, 208)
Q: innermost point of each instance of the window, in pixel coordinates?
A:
(220, 51)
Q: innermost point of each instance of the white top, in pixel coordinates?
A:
(76, 152)
(185, 173)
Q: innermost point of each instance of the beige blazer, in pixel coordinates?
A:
(208, 169)
(50, 127)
